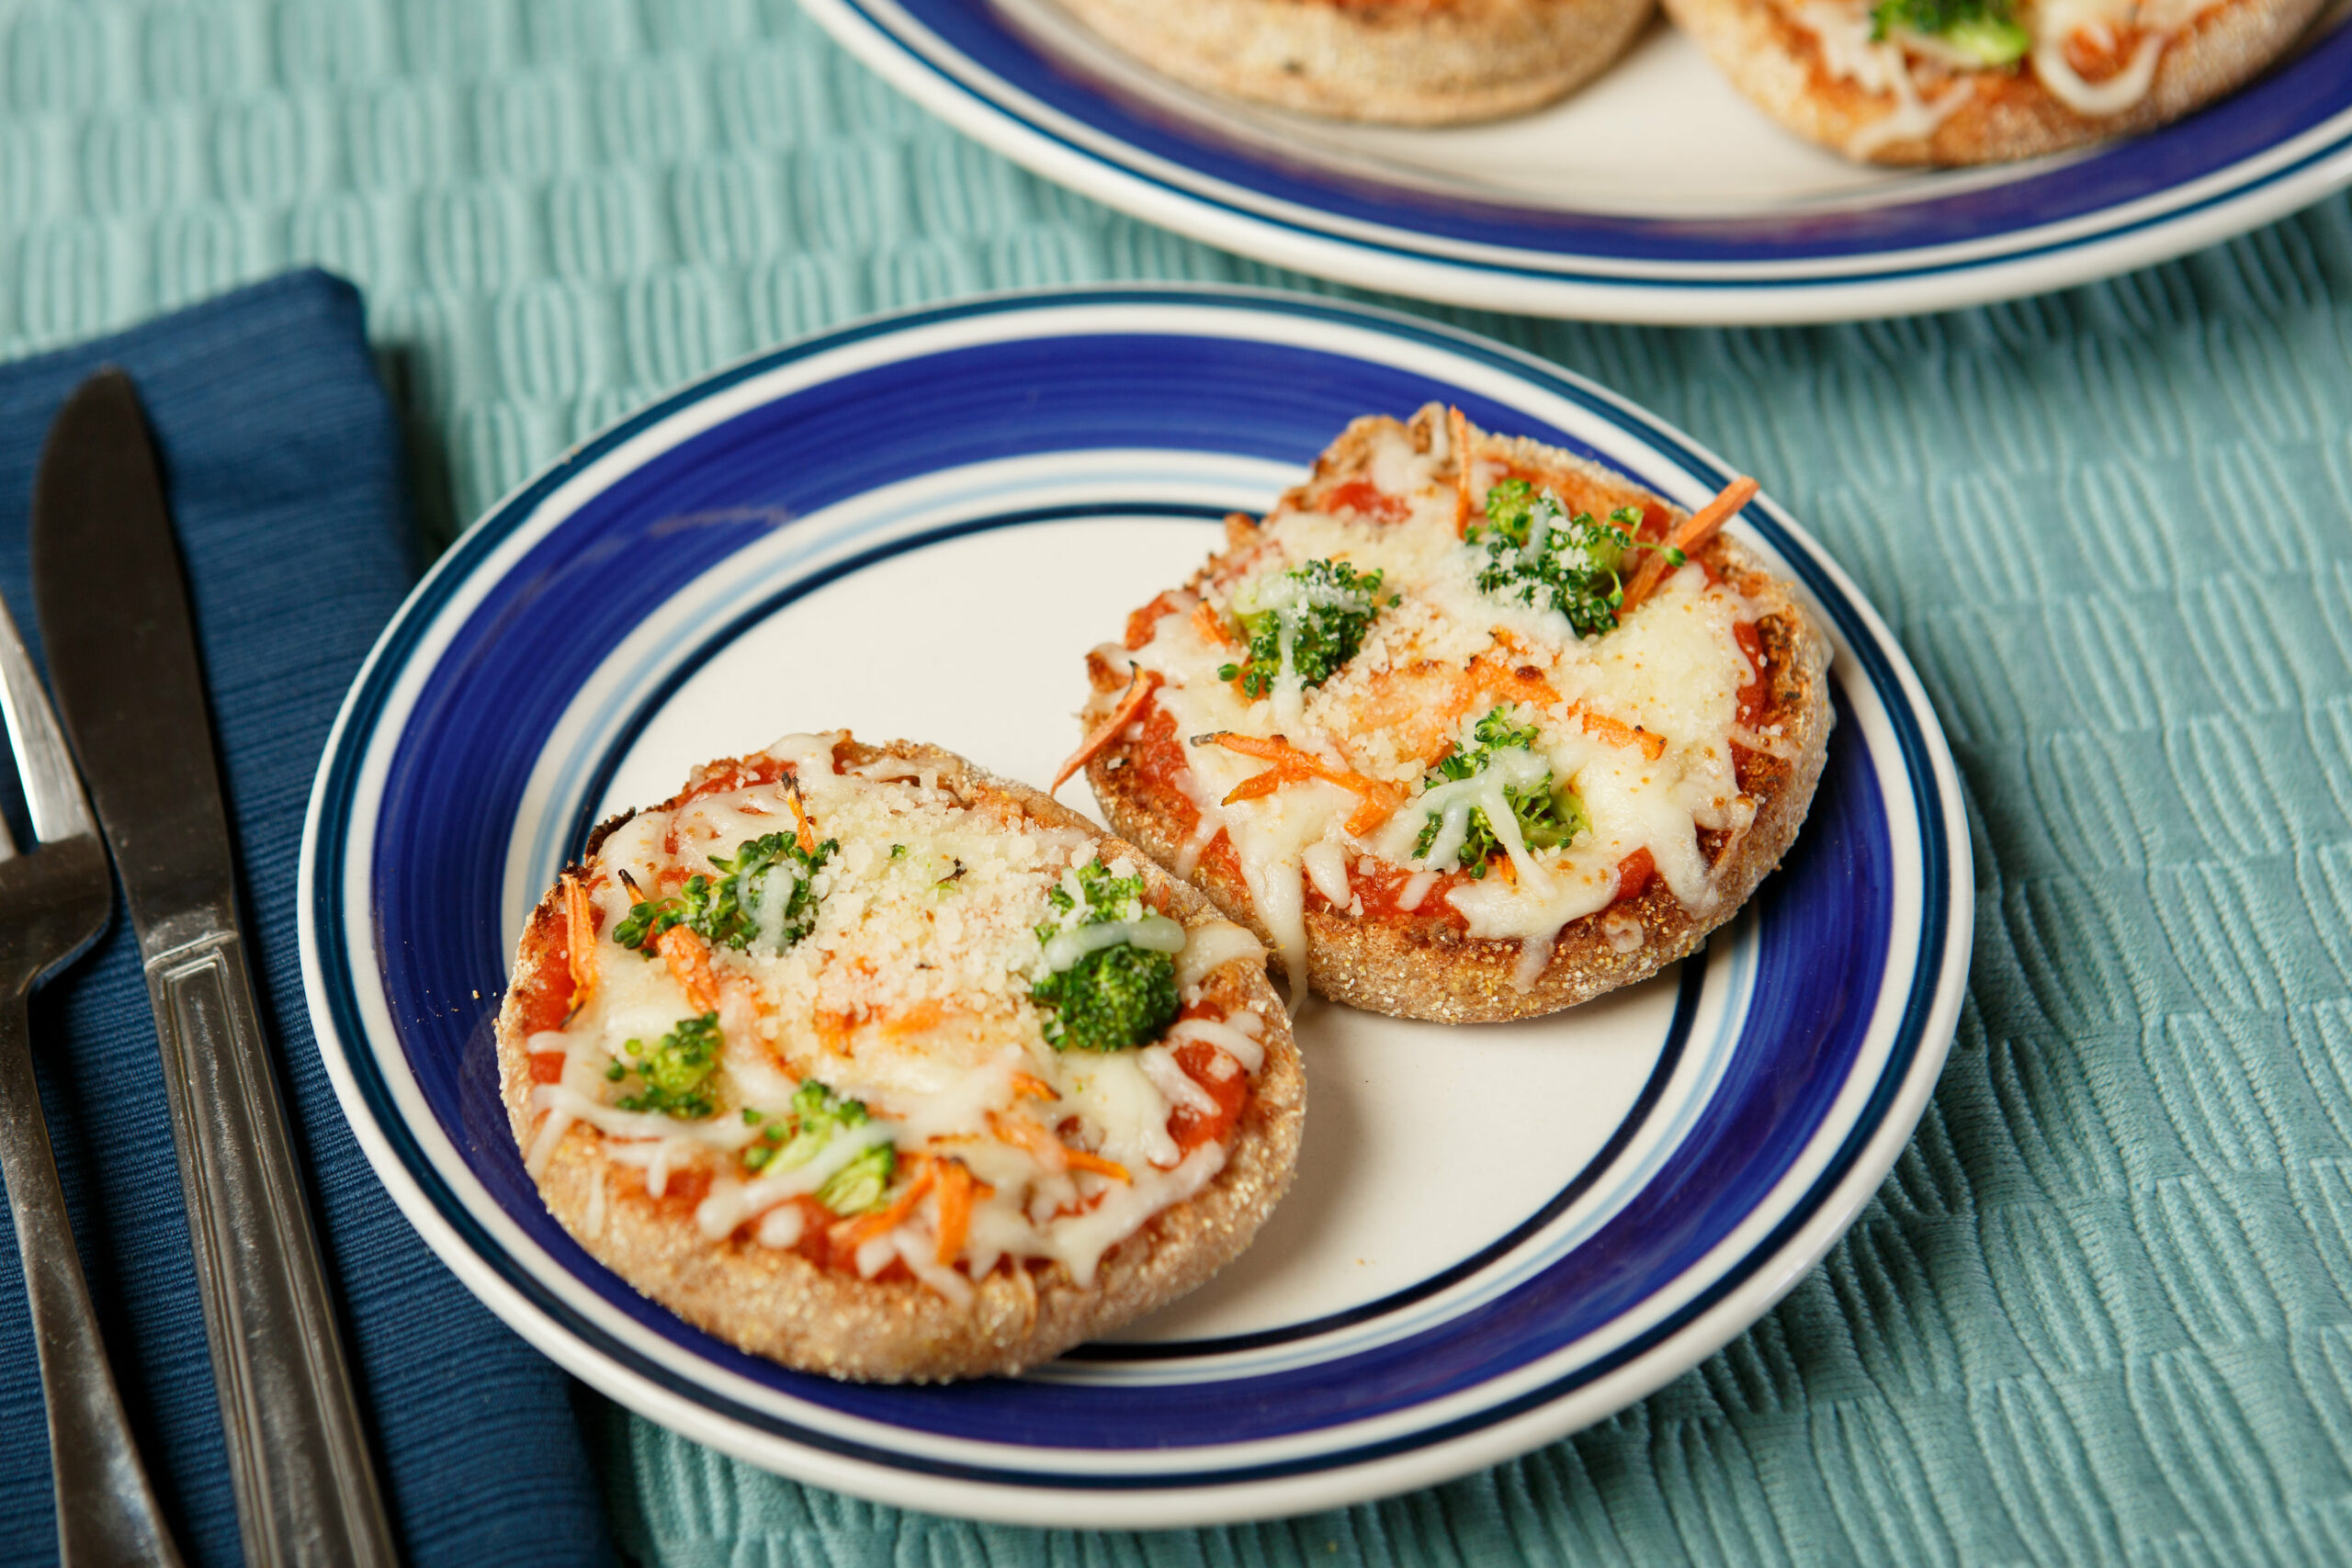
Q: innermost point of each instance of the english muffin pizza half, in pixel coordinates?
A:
(1399, 62)
(866, 1061)
(1468, 728)
(1982, 80)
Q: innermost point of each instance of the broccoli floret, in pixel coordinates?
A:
(859, 1185)
(1538, 555)
(674, 1072)
(1548, 816)
(1985, 30)
(1107, 998)
(1110, 999)
(1312, 619)
(769, 882)
(818, 1116)
(1107, 896)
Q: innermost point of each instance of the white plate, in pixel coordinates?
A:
(917, 526)
(1655, 194)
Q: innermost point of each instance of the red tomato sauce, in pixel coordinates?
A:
(1366, 499)
(1634, 873)
(1757, 692)
(1191, 1127)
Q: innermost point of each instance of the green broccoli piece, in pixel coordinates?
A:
(1312, 619)
(1107, 896)
(1110, 999)
(1112, 996)
(1547, 816)
(674, 1072)
(1571, 564)
(729, 911)
(859, 1185)
(818, 1116)
(1985, 32)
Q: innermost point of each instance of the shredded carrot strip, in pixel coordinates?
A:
(1140, 689)
(689, 959)
(863, 1228)
(1080, 1160)
(1034, 1088)
(1210, 625)
(1457, 431)
(957, 1189)
(1293, 766)
(806, 836)
(1506, 682)
(1696, 530)
(578, 940)
(1051, 1151)
(1619, 733)
(1257, 786)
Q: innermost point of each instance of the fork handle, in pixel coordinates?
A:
(298, 1455)
(106, 1509)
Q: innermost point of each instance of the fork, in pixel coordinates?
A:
(53, 903)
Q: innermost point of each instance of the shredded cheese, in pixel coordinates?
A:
(1636, 722)
(906, 991)
(1927, 80)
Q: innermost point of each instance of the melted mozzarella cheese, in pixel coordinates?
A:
(909, 993)
(1929, 81)
(1674, 671)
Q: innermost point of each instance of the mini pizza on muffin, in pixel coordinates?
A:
(1467, 728)
(1396, 61)
(1982, 80)
(864, 1060)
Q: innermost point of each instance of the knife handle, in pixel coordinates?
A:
(298, 1455)
(106, 1510)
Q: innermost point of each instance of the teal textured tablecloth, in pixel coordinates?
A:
(2102, 1311)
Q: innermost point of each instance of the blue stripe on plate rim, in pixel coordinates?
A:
(2285, 141)
(986, 1480)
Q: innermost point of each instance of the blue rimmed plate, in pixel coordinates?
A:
(1655, 194)
(917, 526)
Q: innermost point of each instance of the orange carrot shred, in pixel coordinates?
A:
(1293, 766)
(1139, 690)
(806, 835)
(580, 939)
(1617, 732)
(689, 959)
(957, 1189)
(1210, 625)
(1051, 1151)
(1080, 1160)
(863, 1228)
(1457, 431)
(1696, 530)
(1034, 1088)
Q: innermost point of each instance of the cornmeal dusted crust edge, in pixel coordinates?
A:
(1394, 62)
(778, 1304)
(1775, 63)
(1425, 967)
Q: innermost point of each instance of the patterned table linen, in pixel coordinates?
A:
(2101, 1313)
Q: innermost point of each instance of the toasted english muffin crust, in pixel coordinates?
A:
(1423, 964)
(1777, 64)
(778, 1304)
(1397, 61)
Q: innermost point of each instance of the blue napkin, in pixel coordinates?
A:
(283, 460)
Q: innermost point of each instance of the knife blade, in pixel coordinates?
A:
(114, 619)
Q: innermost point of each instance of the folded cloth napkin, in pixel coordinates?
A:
(283, 462)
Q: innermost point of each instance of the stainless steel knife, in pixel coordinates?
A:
(122, 661)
